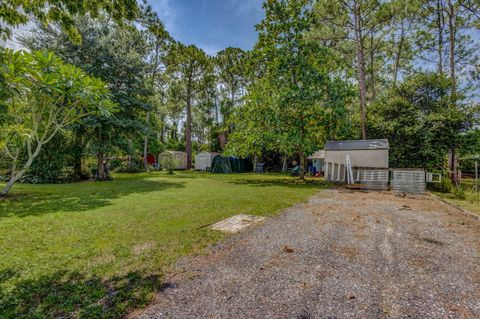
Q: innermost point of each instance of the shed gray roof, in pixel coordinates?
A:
(381, 144)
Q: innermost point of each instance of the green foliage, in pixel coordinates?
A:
(117, 56)
(17, 12)
(53, 164)
(420, 121)
(297, 99)
(191, 75)
(231, 71)
(47, 96)
(445, 186)
(459, 192)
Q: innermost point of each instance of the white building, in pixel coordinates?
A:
(317, 160)
(364, 155)
(203, 161)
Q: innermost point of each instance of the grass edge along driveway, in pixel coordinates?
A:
(97, 250)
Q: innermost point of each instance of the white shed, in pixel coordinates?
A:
(367, 154)
(318, 160)
(203, 161)
(173, 159)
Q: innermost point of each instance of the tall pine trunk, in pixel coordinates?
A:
(452, 39)
(188, 134)
(361, 69)
(372, 69)
(145, 144)
(440, 26)
(398, 55)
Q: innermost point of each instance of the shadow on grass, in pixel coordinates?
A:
(62, 295)
(34, 200)
(283, 182)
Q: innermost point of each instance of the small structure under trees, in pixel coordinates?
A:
(172, 160)
(317, 161)
(204, 160)
(362, 154)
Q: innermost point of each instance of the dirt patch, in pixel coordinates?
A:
(143, 247)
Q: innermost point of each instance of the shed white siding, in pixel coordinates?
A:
(371, 154)
(203, 161)
(359, 158)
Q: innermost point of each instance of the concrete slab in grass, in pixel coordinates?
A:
(237, 223)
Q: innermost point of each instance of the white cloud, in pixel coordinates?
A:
(246, 6)
(166, 13)
(209, 49)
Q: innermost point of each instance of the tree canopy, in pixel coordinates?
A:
(48, 96)
(319, 70)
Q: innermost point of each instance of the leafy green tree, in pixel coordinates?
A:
(158, 41)
(230, 65)
(447, 41)
(351, 27)
(117, 55)
(420, 120)
(401, 37)
(298, 93)
(17, 12)
(190, 71)
(49, 95)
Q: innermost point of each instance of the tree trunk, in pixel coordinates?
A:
(452, 31)
(7, 187)
(360, 69)
(452, 39)
(16, 176)
(188, 134)
(440, 26)
(302, 165)
(396, 65)
(372, 70)
(284, 165)
(145, 145)
(100, 167)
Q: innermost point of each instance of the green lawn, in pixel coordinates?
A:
(100, 249)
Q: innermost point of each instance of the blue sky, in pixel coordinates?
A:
(211, 24)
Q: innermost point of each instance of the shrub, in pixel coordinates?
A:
(459, 192)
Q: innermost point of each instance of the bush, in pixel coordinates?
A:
(135, 165)
(459, 192)
(54, 164)
(445, 186)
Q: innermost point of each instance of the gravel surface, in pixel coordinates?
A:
(341, 255)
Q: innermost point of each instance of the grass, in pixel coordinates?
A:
(470, 202)
(97, 250)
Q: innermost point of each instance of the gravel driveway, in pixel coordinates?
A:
(341, 255)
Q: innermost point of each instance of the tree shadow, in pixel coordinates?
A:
(66, 295)
(40, 199)
(282, 182)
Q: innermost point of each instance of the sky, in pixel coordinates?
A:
(212, 25)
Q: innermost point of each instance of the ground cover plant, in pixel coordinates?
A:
(466, 197)
(97, 249)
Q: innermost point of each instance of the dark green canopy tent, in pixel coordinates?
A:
(232, 164)
(221, 165)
